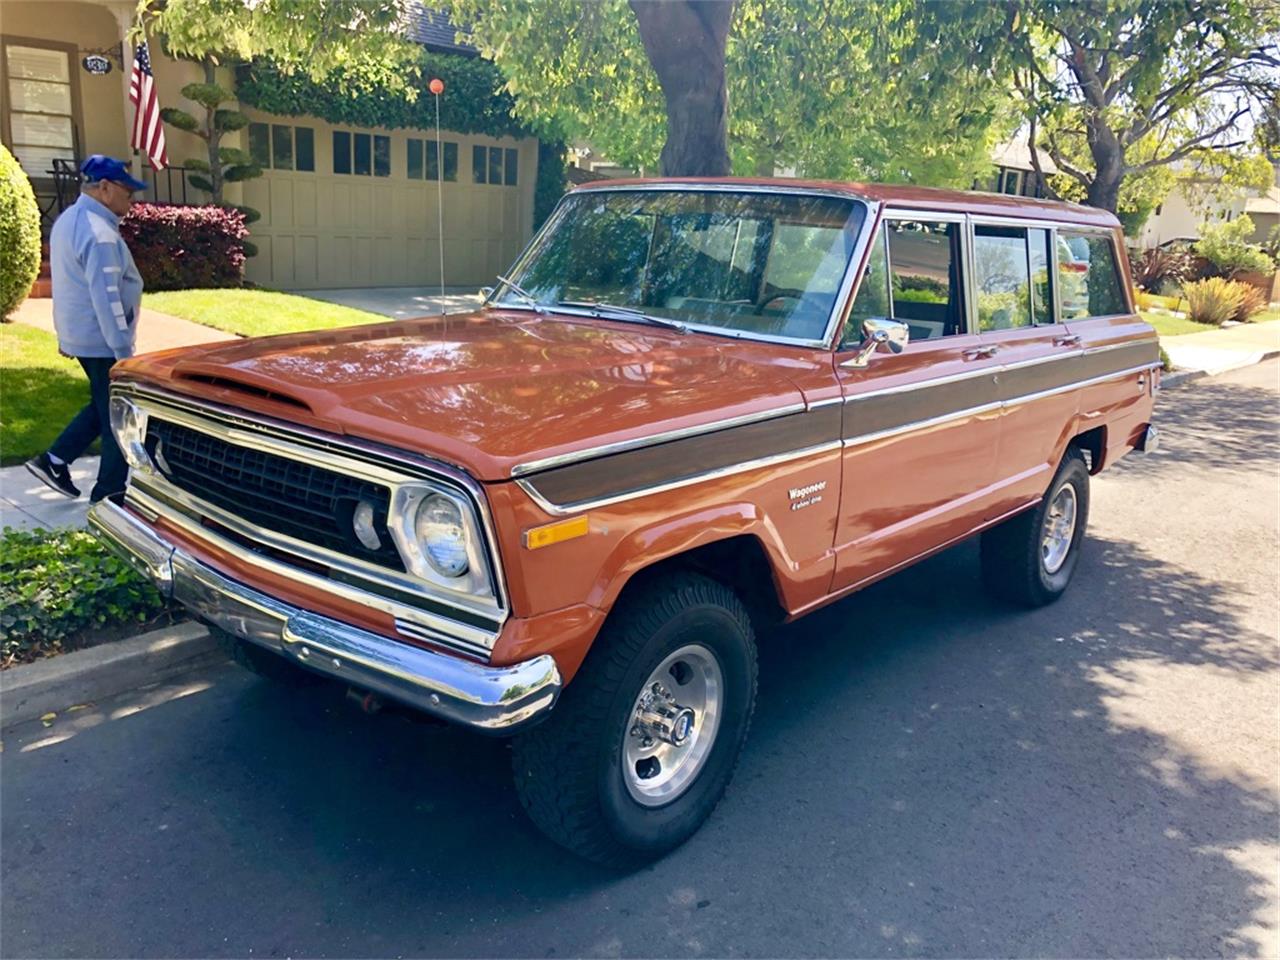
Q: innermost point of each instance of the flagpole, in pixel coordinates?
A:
(437, 87)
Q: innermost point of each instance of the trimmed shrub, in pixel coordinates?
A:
(19, 234)
(1213, 300)
(1227, 247)
(177, 248)
(57, 586)
(1252, 301)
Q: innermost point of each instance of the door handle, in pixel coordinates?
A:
(1070, 340)
(980, 353)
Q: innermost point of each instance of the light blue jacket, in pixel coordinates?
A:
(97, 290)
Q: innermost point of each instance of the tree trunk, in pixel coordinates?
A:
(685, 41)
(1108, 162)
(214, 138)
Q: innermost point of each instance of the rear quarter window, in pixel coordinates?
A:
(1089, 276)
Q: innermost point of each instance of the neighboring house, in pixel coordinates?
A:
(1015, 173)
(341, 206)
(1182, 214)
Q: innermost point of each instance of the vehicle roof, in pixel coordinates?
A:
(898, 195)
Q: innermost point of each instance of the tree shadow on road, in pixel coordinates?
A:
(929, 774)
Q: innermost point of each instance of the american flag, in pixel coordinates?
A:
(148, 130)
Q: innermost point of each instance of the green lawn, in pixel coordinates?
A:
(256, 313)
(1171, 326)
(39, 391)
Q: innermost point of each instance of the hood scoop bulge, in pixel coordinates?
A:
(234, 386)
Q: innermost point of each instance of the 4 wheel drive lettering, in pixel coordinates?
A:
(623, 662)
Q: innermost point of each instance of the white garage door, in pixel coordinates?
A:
(351, 207)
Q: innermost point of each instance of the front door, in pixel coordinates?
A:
(920, 427)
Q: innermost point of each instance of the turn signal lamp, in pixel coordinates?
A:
(557, 532)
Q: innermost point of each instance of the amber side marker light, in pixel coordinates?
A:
(556, 532)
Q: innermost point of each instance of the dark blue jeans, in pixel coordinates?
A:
(94, 421)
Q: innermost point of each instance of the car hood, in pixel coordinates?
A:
(485, 391)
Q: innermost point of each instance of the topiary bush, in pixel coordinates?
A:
(1214, 300)
(19, 234)
(178, 248)
(60, 588)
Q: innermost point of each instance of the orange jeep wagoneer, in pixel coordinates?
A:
(692, 410)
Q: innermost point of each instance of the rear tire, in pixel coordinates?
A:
(1029, 559)
(594, 776)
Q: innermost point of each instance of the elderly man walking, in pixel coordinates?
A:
(97, 292)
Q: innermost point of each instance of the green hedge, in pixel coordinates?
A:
(474, 101)
(58, 588)
(19, 234)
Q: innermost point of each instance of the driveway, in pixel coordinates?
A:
(401, 303)
(929, 774)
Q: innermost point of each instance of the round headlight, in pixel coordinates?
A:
(438, 527)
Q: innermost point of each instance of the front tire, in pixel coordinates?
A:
(1029, 560)
(644, 741)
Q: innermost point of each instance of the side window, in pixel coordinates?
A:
(1087, 276)
(1002, 277)
(924, 277)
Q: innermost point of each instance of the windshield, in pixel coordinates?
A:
(757, 263)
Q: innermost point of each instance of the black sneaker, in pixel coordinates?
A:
(55, 475)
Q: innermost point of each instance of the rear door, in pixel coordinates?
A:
(1014, 293)
(920, 427)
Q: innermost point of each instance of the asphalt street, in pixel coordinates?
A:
(929, 774)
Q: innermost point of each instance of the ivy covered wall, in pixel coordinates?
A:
(473, 102)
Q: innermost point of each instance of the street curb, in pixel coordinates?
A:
(84, 676)
(1179, 377)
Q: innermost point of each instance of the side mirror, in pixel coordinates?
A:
(485, 294)
(879, 333)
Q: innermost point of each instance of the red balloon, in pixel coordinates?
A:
(436, 86)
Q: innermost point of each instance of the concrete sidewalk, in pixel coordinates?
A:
(400, 303)
(1218, 351)
(26, 503)
(156, 330)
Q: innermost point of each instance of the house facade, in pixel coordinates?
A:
(341, 205)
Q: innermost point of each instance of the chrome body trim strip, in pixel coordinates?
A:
(561, 510)
(488, 699)
(984, 371)
(921, 424)
(622, 446)
(999, 404)
(1037, 361)
(465, 637)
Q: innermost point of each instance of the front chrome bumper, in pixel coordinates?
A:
(490, 699)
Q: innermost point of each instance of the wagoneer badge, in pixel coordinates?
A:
(802, 497)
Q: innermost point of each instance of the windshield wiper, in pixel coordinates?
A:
(624, 313)
(523, 294)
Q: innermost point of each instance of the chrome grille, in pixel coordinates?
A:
(291, 497)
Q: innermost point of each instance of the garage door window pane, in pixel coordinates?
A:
(382, 156)
(363, 165)
(509, 173)
(1088, 276)
(495, 165)
(450, 161)
(341, 152)
(281, 147)
(479, 163)
(413, 160)
(433, 162)
(1002, 277)
(305, 147)
(260, 144)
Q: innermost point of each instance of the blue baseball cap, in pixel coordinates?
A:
(98, 167)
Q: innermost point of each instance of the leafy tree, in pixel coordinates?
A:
(1227, 247)
(834, 88)
(1118, 91)
(360, 38)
